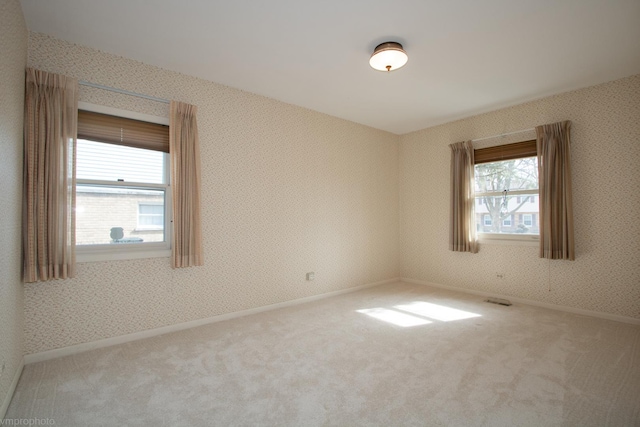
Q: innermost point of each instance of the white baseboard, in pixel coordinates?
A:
(79, 348)
(573, 310)
(12, 389)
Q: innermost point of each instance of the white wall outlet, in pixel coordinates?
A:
(311, 275)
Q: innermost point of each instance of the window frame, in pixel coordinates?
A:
(507, 238)
(108, 252)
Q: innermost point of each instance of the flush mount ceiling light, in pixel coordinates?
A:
(388, 56)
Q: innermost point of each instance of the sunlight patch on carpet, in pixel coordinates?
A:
(394, 317)
(414, 314)
(435, 311)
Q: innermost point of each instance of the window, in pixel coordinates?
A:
(506, 180)
(150, 216)
(123, 196)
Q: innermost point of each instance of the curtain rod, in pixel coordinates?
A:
(124, 92)
(503, 134)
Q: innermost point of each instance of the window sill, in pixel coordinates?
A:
(509, 239)
(111, 253)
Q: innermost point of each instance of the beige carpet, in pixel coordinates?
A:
(340, 362)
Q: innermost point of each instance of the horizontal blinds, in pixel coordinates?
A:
(121, 131)
(505, 152)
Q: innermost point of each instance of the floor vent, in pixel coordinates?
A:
(499, 301)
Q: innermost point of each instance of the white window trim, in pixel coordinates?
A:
(524, 221)
(509, 239)
(95, 253)
(531, 192)
(95, 108)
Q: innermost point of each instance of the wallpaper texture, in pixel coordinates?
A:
(286, 191)
(13, 54)
(605, 152)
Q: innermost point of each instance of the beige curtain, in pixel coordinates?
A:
(185, 182)
(462, 230)
(48, 215)
(556, 207)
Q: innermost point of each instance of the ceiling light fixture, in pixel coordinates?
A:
(388, 56)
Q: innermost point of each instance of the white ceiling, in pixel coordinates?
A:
(465, 56)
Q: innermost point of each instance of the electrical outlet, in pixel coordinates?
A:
(311, 275)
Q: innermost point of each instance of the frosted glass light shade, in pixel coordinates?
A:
(388, 56)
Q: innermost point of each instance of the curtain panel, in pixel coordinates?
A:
(48, 214)
(462, 230)
(185, 182)
(556, 205)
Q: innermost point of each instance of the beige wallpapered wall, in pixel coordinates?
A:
(286, 191)
(13, 58)
(605, 151)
